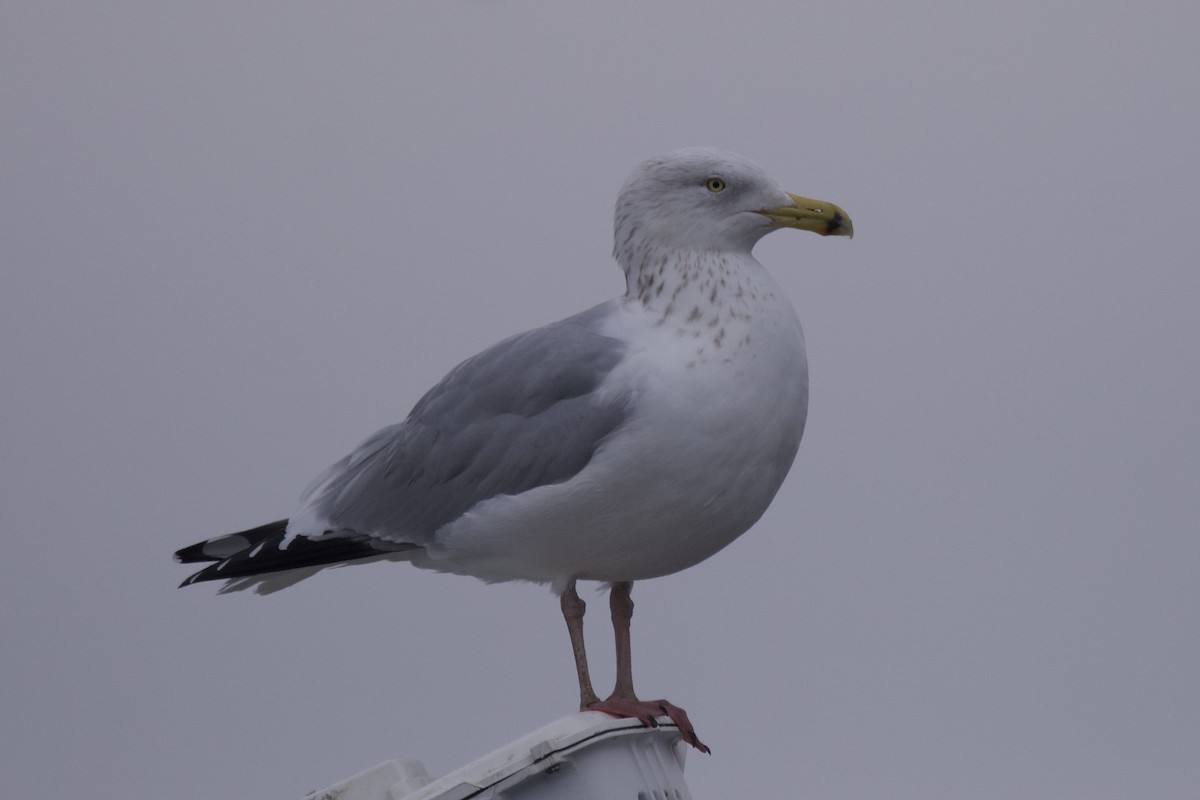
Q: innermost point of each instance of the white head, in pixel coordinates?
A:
(702, 199)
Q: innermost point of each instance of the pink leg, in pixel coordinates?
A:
(623, 702)
(572, 609)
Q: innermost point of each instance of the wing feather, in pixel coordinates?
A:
(521, 414)
(524, 413)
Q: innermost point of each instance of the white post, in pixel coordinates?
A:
(585, 756)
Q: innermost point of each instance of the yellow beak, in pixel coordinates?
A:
(807, 214)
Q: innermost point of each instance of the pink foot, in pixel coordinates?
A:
(645, 711)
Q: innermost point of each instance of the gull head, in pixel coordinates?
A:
(700, 199)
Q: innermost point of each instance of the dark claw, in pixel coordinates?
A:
(647, 713)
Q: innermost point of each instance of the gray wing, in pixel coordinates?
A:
(521, 414)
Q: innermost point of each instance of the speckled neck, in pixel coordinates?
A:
(708, 295)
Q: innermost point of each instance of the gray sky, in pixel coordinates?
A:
(237, 238)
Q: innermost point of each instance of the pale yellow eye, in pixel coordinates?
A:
(715, 184)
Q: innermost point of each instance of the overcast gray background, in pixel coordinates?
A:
(239, 237)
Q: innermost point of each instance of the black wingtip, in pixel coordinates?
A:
(209, 573)
(222, 547)
(262, 550)
(191, 554)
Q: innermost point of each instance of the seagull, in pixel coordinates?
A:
(626, 442)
